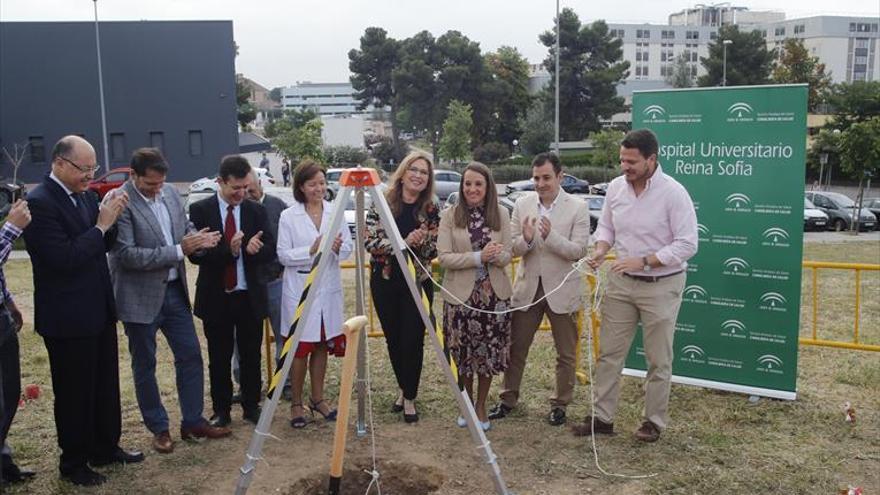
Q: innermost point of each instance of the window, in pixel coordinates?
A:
(667, 34)
(852, 27)
(117, 146)
(37, 149)
(693, 71)
(779, 31)
(643, 33)
(666, 70)
(157, 140)
(666, 54)
(713, 35)
(799, 29)
(195, 143)
(692, 35)
(617, 33)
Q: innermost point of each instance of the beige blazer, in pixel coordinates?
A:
(549, 260)
(456, 256)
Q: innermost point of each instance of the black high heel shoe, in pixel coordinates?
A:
(411, 418)
(313, 406)
(397, 407)
(299, 421)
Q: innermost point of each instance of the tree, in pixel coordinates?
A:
(344, 155)
(299, 143)
(748, 60)
(275, 95)
(537, 129)
(456, 142)
(860, 155)
(507, 91)
(414, 80)
(682, 75)
(372, 68)
(854, 102)
(795, 65)
(293, 117)
(247, 113)
(825, 142)
(590, 66)
(606, 149)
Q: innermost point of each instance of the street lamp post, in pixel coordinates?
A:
(556, 123)
(101, 89)
(724, 44)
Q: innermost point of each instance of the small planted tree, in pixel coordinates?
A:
(455, 145)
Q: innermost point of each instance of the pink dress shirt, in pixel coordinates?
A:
(661, 221)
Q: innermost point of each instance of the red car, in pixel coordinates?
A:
(111, 180)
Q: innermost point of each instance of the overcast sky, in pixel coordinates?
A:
(285, 41)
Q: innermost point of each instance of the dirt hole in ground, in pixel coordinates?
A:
(396, 478)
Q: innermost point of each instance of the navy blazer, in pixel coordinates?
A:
(212, 262)
(73, 294)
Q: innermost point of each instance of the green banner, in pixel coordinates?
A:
(740, 152)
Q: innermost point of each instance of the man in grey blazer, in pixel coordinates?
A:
(149, 282)
(550, 231)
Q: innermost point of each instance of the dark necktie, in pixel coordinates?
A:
(81, 207)
(230, 277)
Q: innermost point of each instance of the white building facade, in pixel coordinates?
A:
(323, 98)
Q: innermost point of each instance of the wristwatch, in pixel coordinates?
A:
(645, 266)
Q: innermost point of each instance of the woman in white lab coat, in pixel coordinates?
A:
(300, 230)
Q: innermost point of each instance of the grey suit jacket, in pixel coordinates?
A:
(140, 258)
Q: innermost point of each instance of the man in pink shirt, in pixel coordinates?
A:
(649, 219)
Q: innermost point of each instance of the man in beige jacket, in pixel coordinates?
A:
(550, 230)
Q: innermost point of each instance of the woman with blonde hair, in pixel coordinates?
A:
(410, 196)
(474, 246)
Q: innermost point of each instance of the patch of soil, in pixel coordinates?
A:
(396, 478)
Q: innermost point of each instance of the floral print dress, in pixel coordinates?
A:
(479, 342)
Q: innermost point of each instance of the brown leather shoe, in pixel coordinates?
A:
(592, 425)
(649, 432)
(204, 430)
(162, 443)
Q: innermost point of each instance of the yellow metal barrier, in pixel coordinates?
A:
(858, 268)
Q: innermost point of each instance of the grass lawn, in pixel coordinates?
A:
(717, 443)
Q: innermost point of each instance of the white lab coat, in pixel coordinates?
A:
(296, 233)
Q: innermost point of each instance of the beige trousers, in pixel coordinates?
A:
(565, 338)
(626, 303)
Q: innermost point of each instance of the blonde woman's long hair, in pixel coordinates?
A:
(394, 194)
(490, 201)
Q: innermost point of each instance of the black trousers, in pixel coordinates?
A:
(10, 381)
(85, 381)
(403, 327)
(234, 323)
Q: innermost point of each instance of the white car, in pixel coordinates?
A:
(445, 183)
(814, 218)
(210, 183)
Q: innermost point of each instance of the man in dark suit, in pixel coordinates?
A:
(75, 312)
(149, 282)
(230, 291)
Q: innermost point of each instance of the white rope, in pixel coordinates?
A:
(597, 300)
(576, 267)
(268, 435)
(375, 472)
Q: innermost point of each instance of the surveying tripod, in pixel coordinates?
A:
(360, 181)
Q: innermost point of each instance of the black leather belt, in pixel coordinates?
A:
(650, 278)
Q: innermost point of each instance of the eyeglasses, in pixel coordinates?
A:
(85, 170)
(419, 171)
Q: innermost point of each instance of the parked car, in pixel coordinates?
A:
(570, 184)
(599, 188)
(111, 180)
(445, 183)
(451, 200)
(595, 203)
(510, 200)
(873, 205)
(210, 183)
(814, 218)
(839, 209)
